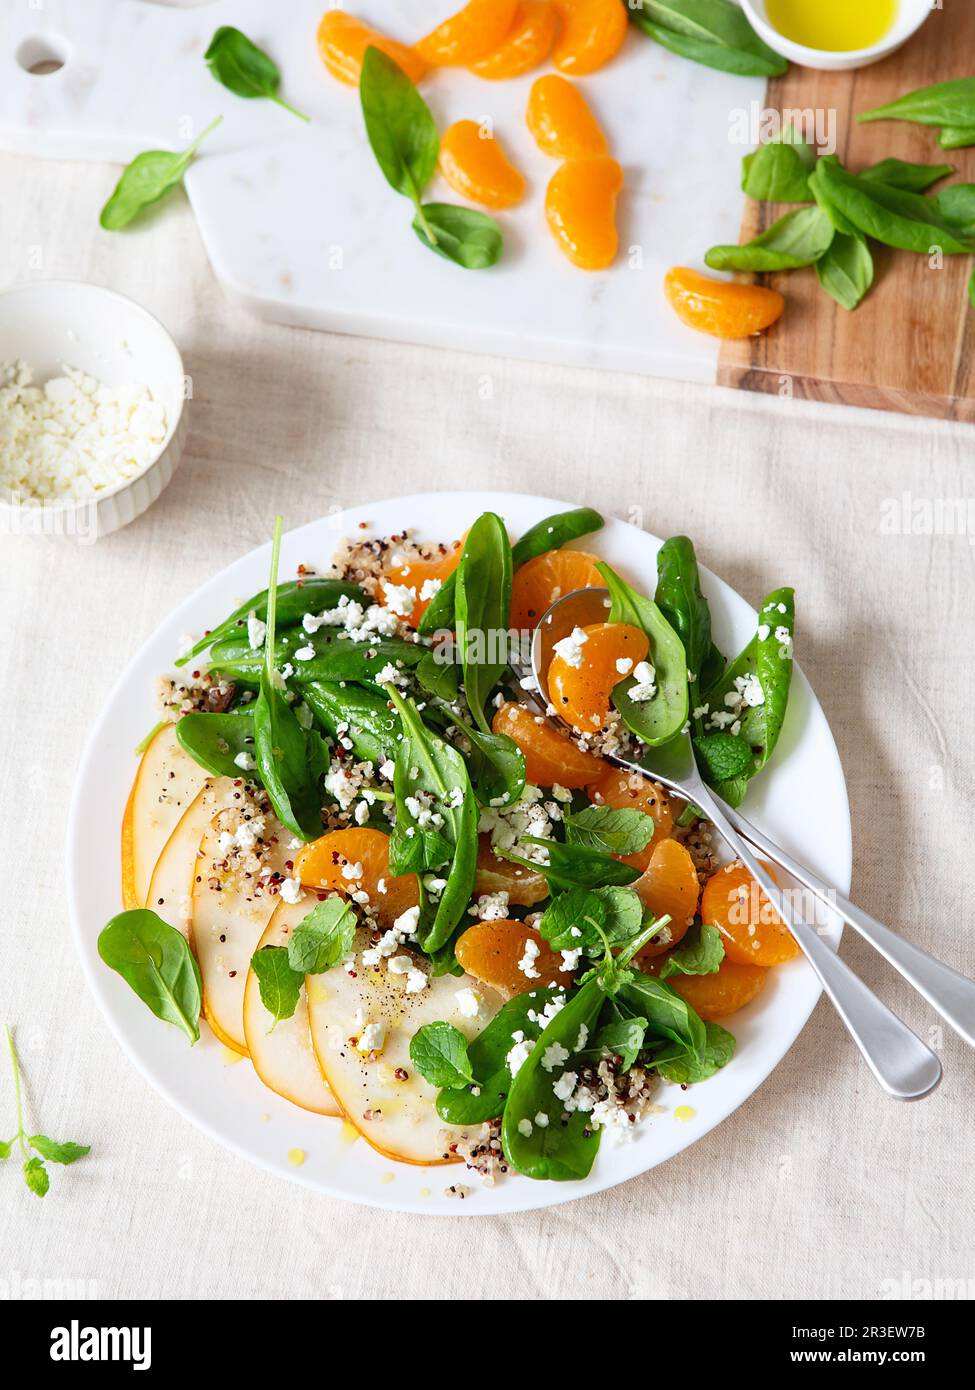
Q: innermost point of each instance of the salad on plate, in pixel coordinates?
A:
(416, 890)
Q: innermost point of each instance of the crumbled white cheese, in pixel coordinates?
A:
(256, 632)
(468, 1002)
(520, 1052)
(245, 761)
(527, 963)
(290, 890)
(646, 682)
(570, 648)
(554, 1056)
(372, 1038)
(73, 437)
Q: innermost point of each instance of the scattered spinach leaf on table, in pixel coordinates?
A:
(713, 32)
(797, 239)
(897, 173)
(949, 103)
(244, 69)
(778, 171)
(846, 270)
(149, 177)
(404, 139)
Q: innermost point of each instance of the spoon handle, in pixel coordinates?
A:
(948, 992)
(904, 1066)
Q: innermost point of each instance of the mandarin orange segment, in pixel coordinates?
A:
(422, 578)
(364, 853)
(580, 206)
(491, 952)
(729, 989)
(526, 45)
(668, 885)
(623, 790)
(592, 32)
(523, 887)
(560, 119)
(539, 582)
(723, 308)
(550, 758)
(580, 685)
(342, 44)
(752, 931)
(469, 35)
(474, 164)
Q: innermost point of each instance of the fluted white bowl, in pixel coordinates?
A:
(53, 323)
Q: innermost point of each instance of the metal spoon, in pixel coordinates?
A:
(904, 1066)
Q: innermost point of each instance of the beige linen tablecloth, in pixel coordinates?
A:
(818, 1186)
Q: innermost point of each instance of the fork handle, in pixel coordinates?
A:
(948, 992)
(904, 1066)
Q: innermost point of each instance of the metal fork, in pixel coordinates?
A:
(904, 1066)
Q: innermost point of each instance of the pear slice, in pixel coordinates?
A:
(171, 886)
(165, 783)
(230, 914)
(396, 1116)
(282, 1052)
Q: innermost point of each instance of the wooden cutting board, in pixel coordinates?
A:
(910, 346)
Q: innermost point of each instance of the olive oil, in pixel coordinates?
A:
(834, 25)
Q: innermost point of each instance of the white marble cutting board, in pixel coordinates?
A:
(301, 227)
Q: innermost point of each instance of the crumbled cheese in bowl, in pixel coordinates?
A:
(73, 437)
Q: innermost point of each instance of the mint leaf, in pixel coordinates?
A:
(725, 756)
(5, 1148)
(36, 1178)
(323, 938)
(610, 829)
(280, 986)
(574, 919)
(701, 953)
(439, 1053)
(55, 1152)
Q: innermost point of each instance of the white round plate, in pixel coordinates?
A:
(801, 800)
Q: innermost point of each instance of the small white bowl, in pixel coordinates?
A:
(54, 323)
(911, 14)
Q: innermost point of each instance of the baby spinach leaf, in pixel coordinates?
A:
(700, 953)
(244, 69)
(469, 238)
(149, 177)
(944, 103)
(769, 658)
(154, 959)
(563, 1148)
(957, 205)
(797, 239)
(681, 600)
(684, 1067)
(440, 775)
(437, 677)
(216, 741)
(846, 270)
(668, 1015)
(322, 939)
(291, 760)
(496, 765)
(657, 720)
(555, 531)
(294, 600)
(778, 171)
(899, 174)
(399, 125)
(365, 718)
(488, 1053)
(548, 534)
(482, 606)
(623, 1037)
(55, 1152)
(613, 830)
(439, 1053)
(956, 137)
(894, 216)
(713, 32)
(279, 984)
(571, 866)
